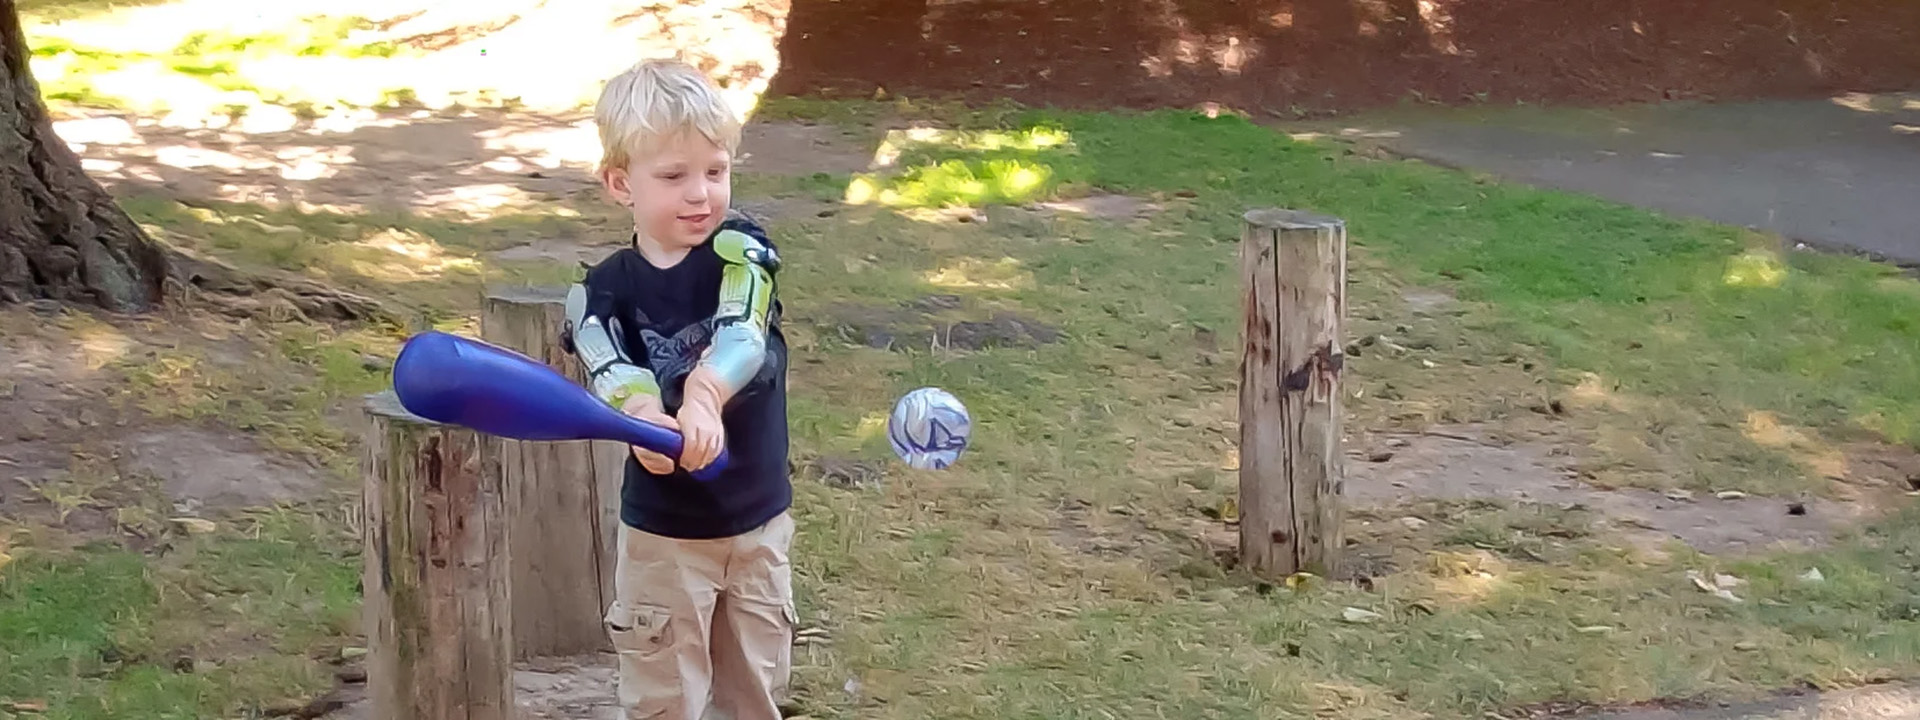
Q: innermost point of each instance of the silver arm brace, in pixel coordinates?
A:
(739, 345)
(610, 372)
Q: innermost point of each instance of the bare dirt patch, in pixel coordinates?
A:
(841, 472)
(470, 164)
(205, 469)
(1466, 464)
(781, 148)
(1873, 702)
(579, 688)
(560, 251)
(73, 459)
(1104, 205)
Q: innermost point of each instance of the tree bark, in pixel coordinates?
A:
(435, 568)
(1291, 472)
(61, 234)
(563, 498)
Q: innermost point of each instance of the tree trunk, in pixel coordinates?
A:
(61, 235)
(563, 498)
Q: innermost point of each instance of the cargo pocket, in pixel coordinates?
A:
(642, 630)
(649, 679)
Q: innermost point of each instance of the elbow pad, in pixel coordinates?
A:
(739, 345)
(611, 373)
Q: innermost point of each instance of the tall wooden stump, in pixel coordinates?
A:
(1295, 265)
(563, 498)
(435, 570)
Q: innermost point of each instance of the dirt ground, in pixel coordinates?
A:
(1293, 57)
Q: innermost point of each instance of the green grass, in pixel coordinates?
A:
(61, 10)
(1064, 569)
(225, 623)
(1664, 340)
(1702, 327)
(68, 70)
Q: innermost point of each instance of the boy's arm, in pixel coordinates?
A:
(594, 336)
(739, 346)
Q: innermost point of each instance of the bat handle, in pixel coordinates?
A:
(669, 443)
(713, 469)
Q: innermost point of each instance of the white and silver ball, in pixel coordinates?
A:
(929, 428)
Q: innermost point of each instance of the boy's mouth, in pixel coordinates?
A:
(695, 219)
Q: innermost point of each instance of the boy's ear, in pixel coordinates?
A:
(616, 182)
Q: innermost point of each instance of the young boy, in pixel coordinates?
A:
(681, 328)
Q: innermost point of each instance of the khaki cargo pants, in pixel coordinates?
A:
(704, 628)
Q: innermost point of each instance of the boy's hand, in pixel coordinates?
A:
(700, 429)
(647, 407)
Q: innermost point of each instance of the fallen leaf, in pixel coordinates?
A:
(1719, 587)
(1357, 615)
(1730, 495)
(194, 525)
(1809, 576)
(1700, 581)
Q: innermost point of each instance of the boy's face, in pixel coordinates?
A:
(679, 193)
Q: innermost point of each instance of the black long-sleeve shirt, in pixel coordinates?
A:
(674, 307)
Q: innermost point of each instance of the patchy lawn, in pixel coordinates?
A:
(1073, 277)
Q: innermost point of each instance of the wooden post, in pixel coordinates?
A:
(1295, 265)
(563, 498)
(439, 645)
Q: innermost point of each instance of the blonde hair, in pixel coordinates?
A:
(656, 101)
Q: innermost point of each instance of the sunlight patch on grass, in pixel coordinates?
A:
(102, 344)
(954, 182)
(477, 202)
(926, 167)
(922, 139)
(206, 72)
(872, 425)
(1756, 269)
(1819, 458)
(1594, 391)
(401, 255)
(1003, 274)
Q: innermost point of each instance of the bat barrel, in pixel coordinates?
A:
(459, 381)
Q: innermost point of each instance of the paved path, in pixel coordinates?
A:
(1841, 173)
